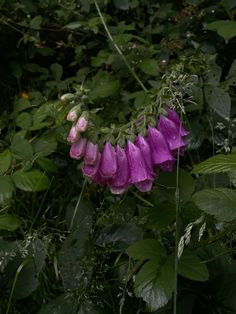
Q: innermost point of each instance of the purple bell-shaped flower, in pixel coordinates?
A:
(91, 170)
(73, 135)
(119, 183)
(171, 134)
(173, 116)
(160, 152)
(77, 149)
(91, 153)
(108, 167)
(144, 147)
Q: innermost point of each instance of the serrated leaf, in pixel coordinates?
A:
(219, 100)
(9, 222)
(154, 283)
(21, 148)
(190, 266)
(220, 202)
(5, 161)
(217, 164)
(146, 249)
(224, 28)
(6, 188)
(31, 181)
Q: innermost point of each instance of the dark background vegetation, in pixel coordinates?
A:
(72, 247)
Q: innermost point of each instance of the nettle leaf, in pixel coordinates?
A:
(224, 28)
(21, 148)
(154, 283)
(31, 181)
(6, 188)
(218, 100)
(9, 222)
(5, 161)
(190, 266)
(217, 164)
(220, 202)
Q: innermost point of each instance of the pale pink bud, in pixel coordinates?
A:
(81, 124)
(72, 116)
(77, 149)
(73, 135)
(91, 153)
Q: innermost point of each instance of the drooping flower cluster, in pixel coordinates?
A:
(135, 164)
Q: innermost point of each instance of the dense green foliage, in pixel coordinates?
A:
(69, 246)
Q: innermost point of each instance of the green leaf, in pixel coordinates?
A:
(103, 85)
(5, 161)
(218, 100)
(224, 28)
(146, 249)
(32, 181)
(21, 148)
(45, 145)
(9, 222)
(154, 283)
(36, 22)
(47, 164)
(160, 216)
(190, 266)
(149, 66)
(217, 164)
(122, 4)
(6, 188)
(73, 25)
(24, 120)
(119, 234)
(220, 202)
(57, 71)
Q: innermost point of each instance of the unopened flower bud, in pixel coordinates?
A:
(82, 122)
(91, 153)
(73, 135)
(73, 113)
(77, 149)
(67, 97)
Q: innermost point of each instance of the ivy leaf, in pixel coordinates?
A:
(31, 181)
(5, 158)
(217, 164)
(190, 266)
(9, 222)
(220, 202)
(224, 28)
(154, 283)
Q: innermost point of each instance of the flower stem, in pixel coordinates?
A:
(118, 48)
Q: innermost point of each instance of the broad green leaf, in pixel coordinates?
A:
(9, 222)
(6, 188)
(5, 161)
(45, 145)
(57, 71)
(146, 249)
(160, 216)
(21, 148)
(32, 181)
(190, 266)
(213, 75)
(224, 28)
(154, 283)
(119, 234)
(47, 164)
(36, 22)
(149, 66)
(218, 100)
(73, 25)
(220, 202)
(103, 85)
(217, 164)
(122, 4)
(24, 120)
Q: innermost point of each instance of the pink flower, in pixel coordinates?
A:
(108, 167)
(73, 135)
(144, 147)
(77, 149)
(91, 153)
(173, 116)
(90, 170)
(81, 124)
(171, 134)
(119, 183)
(160, 152)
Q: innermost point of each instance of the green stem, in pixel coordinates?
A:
(117, 48)
(77, 204)
(142, 199)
